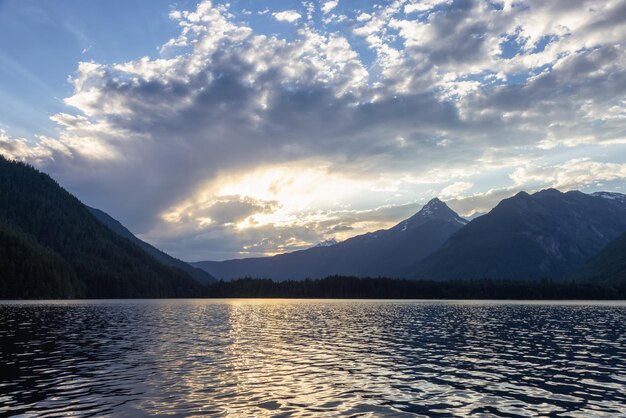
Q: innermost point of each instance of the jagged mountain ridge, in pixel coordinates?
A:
(617, 197)
(379, 253)
(548, 234)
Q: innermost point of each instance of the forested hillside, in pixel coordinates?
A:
(198, 274)
(52, 246)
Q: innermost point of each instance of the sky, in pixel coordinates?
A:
(219, 130)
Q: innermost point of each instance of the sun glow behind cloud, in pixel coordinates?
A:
(280, 195)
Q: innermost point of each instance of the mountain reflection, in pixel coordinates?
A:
(281, 357)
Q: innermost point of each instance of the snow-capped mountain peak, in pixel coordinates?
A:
(434, 209)
(327, 243)
(618, 197)
(432, 206)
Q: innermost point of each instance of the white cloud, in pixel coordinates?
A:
(572, 174)
(456, 189)
(19, 148)
(423, 5)
(287, 16)
(328, 6)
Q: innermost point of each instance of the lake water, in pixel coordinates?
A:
(312, 358)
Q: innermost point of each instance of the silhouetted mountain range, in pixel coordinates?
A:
(380, 253)
(51, 246)
(548, 234)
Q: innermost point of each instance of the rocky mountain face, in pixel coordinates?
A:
(548, 234)
(607, 266)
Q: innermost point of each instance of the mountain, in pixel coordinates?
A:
(327, 243)
(607, 266)
(617, 197)
(379, 253)
(545, 235)
(197, 274)
(53, 247)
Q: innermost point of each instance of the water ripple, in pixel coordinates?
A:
(312, 358)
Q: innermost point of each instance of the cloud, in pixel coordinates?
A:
(22, 150)
(328, 6)
(237, 141)
(455, 189)
(287, 16)
(572, 174)
(423, 5)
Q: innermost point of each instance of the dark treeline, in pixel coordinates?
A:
(339, 287)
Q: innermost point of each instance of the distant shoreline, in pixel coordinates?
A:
(341, 287)
(494, 302)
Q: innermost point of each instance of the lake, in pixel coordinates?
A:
(312, 358)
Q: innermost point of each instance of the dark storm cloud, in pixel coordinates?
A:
(231, 209)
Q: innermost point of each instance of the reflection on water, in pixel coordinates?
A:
(317, 358)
